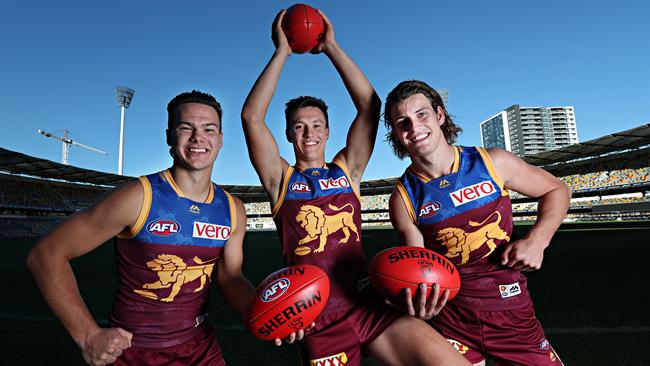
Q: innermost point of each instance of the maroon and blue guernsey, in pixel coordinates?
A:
(466, 215)
(165, 262)
(318, 217)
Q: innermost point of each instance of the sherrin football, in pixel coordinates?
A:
(396, 268)
(303, 27)
(288, 300)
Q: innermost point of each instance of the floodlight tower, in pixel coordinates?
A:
(124, 97)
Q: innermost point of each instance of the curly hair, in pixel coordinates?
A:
(401, 92)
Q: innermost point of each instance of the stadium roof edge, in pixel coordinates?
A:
(16, 163)
(13, 162)
(609, 144)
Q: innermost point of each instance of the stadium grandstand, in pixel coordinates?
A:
(609, 177)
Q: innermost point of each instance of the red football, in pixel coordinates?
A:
(288, 300)
(394, 269)
(303, 27)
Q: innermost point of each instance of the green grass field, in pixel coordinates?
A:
(591, 295)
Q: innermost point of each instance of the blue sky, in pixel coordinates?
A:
(60, 62)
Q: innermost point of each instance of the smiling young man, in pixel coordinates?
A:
(173, 229)
(454, 200)
(317, 211)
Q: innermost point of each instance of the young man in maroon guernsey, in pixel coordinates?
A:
(316, 209)
(173, 229)
(454, 200)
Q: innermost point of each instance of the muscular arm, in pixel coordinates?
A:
(262, 148)
(363, 131)
(415, 305)
(554, 197)
(407, 232)
(49, 263)
(234, 287)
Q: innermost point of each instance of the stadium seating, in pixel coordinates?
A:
(42, 203)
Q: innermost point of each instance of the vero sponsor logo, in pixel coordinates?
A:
(472, 193)
(163, 227)
(429, 209)
(332, 183)
(300, 187)
(275, 289)
(210, 231)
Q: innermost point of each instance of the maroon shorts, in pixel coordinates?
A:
(339, 342)
(508, 337)
(202, 350)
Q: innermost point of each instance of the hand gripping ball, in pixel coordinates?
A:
(303, 27)
(396, 268)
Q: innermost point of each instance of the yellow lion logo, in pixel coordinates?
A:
(320, 226)
(459, 242)
(173, 272)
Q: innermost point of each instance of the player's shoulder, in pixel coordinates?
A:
(121, 205)
(132, 189)
(494, 151)
(499, 156)
(235, 201)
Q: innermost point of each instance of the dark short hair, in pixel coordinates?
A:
(194, 96)
(409, 88)
(303, 101)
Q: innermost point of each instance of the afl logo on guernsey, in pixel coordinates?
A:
(300, 187)
(332, 183)
(472, 193)
(163, 227)
(206, 230)
(429, 209)
(275, 289)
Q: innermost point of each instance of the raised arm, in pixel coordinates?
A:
(363, 131)
(49, 263)
(554, 196)
(262, 147)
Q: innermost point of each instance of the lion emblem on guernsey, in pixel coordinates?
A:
(320, 226)
(173, 272)
(460, 242)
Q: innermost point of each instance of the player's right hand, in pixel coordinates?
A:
(418, 306)
(298, 336)
(105, 346)
(277, 34)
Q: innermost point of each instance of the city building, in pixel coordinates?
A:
(529, 130)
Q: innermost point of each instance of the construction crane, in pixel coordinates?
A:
(67, 141)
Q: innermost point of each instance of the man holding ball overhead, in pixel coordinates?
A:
(471, 224)
(316, 209)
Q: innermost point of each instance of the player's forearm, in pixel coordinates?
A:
(259, 98)
(551, 211)
(56, 282)
(363, 95)
(237, 291)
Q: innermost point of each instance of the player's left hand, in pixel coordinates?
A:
(418, 306)
(297, 336)
(523, 255)
(328, 39)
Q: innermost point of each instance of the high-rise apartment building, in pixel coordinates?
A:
(529, 130)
